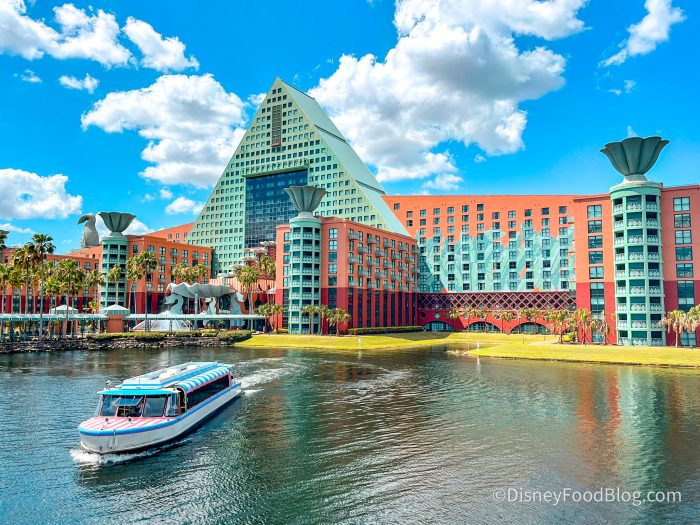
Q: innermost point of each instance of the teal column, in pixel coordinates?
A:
(639, 295)
(114, 252)
(304, 272)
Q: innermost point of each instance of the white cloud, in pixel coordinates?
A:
(628, 86)
(190, 123)
(166, 194)
(444, 181)
(455, 73)
(479, 158)
(148, 198)
(652, 30)
(184, 205)
(161, 54)
(28, 76)
(256, 100)
(27, 195)
(631, 132)
(8, 227)
(21, 35)
(89, 83)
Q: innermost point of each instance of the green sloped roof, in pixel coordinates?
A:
(346, 155)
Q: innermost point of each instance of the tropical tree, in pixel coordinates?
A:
(16, 280)
(584, 322)
(454, 313)
(113, 276)
(323, 312)
(24, 260)
(71, 280)
(311, 310)
(270, 311)
(266, 267)
(531, 314)
(147, 263)
(132, 277)
(506, 317)
(337, 317)
(467, 313)
(3, 240)
(42, 246)
(5, 276)
(94, 279)
(247, 278)
(602, 326)
(676, 321)
(559, 320)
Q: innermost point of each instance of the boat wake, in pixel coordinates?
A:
(83, 457)
(266, 376)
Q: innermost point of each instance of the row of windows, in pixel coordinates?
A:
(512, 214)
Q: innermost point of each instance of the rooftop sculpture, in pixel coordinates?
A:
(634, 156)
(305, 198)
(116, 222)
(90, 236)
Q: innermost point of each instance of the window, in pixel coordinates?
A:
(595, 241)
(683, 237)
(681, 204)
(595, 272)
(684, 271)
(333, 233)
(595, 211)
(681, 220)
(203, 393)
(686, 295)
(684, 253)
(595, 226)
(397, 206)
(562, 210)
(465, 208)
(595, 257)
(528, 213)
(333, 244)
(545, 211)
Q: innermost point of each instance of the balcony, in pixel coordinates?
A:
(381, 274)
(654, 273)
(655, 290)
(652, 223)
(620, 307)
(619, 225)
(657, 342)
(653, 307)
(622, 325)
(636, 256)
(353, 282)
(634, 223)
(618, 208)
(387, 243)
(636, 273)
(637, 290)
(353, 258)
(372, 240)
(635, 239)
(638, 308)
(621, 291)
(380, 253)
(619, 241)
(634, 207)
(653, 256)
(619, 257)
(365, 273)
(652, 239)
(354, 236)
(620, 274)
(639, 325)
(652, 206)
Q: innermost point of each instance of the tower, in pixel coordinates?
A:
(636, 207)
(290, 142)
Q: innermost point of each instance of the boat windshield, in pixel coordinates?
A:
(132, 406)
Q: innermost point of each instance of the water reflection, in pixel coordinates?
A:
(386, 437)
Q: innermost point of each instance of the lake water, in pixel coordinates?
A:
(411, 436)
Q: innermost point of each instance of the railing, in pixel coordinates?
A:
(635, 239)
(653, 256)
(620, 241)
(636, 273)
(655, 290)
(354, 236)
(639, 324)
(619, 225)
(653, 239)
(617, 208)
(380, 253)
(637, 256)
(387, 243)
(634, 223)
(621, 291)
(353, 258)
(372, 240)
(654, 273)
(634, 207)
(653, 223)
(638, 308)
(619, 257)
(637, 290)
(655, 308)
(652, 206)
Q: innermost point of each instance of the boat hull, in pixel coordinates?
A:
(116, 435)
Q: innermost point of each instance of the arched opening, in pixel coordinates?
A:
(482, 326)
(530, 328)
(437, 326)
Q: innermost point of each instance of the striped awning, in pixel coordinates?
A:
(190, 384)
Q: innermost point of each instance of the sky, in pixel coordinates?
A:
(137, 106)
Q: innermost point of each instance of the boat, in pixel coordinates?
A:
(157, 407)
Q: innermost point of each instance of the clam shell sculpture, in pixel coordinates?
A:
(305, 198)
(116, 222)
(634, 156)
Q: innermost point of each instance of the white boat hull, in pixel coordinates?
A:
(116, 435)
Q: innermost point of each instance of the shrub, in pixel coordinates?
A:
(385, 330)
(235, 336)
(151, 336)
(208, 333)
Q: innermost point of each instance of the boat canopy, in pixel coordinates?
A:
(211, 375)
(136, 392)
(170, 376)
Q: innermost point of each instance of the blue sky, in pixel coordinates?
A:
(136, 106)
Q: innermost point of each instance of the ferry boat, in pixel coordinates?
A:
(154, 408)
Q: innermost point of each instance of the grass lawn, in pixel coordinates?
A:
(490, 345)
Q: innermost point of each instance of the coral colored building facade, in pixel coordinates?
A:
(369, 272)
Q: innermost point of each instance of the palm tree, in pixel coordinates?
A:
(530, 314)
(148, 263)
(42, 247)
(5, 274)
(506, 317)
(23, 258)
(311, 310)
(584, 321)
(675, 320)
(276, 310)
(94, 279)
(3, 240)
(337, 317)
(266, 267)
(559, 320)
(467, 313)
(113, 276)
(132, 277)
(248, 277)
(15, 282)
(71, 279)
(454, 313)
(323, 312)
